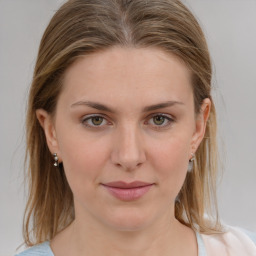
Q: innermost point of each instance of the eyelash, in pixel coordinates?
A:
(167, 120)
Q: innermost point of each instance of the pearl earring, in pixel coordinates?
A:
(191, 163)
(56, 160)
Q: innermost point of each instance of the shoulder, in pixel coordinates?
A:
(234, 241)
(43, 249)
(250, 234)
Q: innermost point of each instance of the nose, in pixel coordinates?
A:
(128, 151)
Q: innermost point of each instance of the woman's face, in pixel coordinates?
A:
(125, 115)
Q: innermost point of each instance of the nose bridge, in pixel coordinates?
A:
(128, 150)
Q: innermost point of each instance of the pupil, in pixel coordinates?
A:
(159, 120)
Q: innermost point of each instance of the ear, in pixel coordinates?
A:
(46, 121)
(201, 122)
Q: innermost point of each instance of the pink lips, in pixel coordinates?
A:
(128, 191)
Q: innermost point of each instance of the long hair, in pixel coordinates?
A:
(82, 27)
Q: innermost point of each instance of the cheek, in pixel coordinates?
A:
(172, 155)
(83, 160)
(171, 161)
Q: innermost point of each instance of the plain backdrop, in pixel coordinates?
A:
(230, 28)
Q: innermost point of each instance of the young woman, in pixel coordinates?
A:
(121, 136)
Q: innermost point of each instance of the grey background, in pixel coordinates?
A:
(230, 27)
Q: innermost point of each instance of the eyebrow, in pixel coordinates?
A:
(102, 107)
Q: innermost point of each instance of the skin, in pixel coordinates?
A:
(128, 144)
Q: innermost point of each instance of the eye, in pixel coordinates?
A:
(160, 121)
(94, 121)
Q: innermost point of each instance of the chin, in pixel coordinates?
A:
(129, 220)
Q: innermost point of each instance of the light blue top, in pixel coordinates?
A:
(44, 249)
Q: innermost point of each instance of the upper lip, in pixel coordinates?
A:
(122, 184)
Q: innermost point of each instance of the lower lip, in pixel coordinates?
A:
(128, 194)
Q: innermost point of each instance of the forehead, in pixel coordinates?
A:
(128, 74)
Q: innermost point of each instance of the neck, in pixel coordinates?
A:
(167, 236)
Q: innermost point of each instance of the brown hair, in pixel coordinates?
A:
(81, 27)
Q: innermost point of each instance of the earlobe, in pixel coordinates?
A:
(201, 123)
(47, 124)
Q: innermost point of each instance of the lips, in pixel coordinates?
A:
(122, 184)
(127, 191)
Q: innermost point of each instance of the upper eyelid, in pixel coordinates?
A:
(168, 116)
(106, 117)
(86, 117)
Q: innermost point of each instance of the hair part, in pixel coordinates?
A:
(80, 28)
